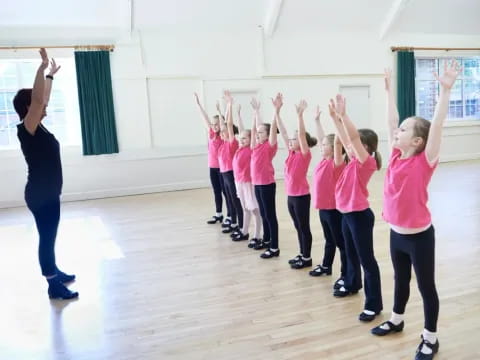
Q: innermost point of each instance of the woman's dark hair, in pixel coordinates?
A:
(369, 138)
(268, 127)
(22, 101)
(311, 141)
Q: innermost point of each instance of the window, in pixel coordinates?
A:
(62, 113)
(465, 97)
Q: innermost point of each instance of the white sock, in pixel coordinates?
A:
(218, 214)
(368, 312)
(395, 319)
(431, 337)
(306, 259)
(339, 282)
(273, 250)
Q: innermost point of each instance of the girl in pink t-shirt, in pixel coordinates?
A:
(226, 152)
(324, 182)
(296, 185)
(243, 183)
(264, 147)
(351, 197)
(415, 148)
(214, 142)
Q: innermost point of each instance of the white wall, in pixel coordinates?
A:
(162, 142)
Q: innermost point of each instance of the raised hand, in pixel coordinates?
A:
(317, 113)
(255, 104)
(44, 56)
(227, 96)
(449, 76)
(53, 67)
(388, 79)
(302, 105)
(197, 100)
(340, 106)
(278, 102)
(332, 108)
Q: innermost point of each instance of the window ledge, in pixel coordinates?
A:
(464, 123)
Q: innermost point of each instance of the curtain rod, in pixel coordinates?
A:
(397, 48)
(76, 47)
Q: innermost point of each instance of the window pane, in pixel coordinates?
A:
(427, 92)
(425, 68)
(471, 68)
(472, 99)
(455, 108)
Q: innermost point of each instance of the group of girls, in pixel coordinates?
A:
(349, 159)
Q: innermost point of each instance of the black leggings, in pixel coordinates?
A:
(357, 229)
(299, 209)
(265, 195)
(218, 188)
(47, 218)
(417, 250)
(233, 202)
(331, 221)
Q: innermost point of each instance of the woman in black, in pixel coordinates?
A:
(44, 185)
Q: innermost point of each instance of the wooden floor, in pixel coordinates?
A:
(156, 282)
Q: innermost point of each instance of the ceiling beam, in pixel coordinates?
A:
(271, 19)
(392, 16)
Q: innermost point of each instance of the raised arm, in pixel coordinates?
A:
(446, 81)
(228, 114)
(241, 127)
(280, 124)
(37, 106)
(320, 132)
(302, 136)
(340, 130)
(353, 137)
(256, 116)
(206, 121)
(277, 103)
(49, 79)
(337, 151)
(392, 112)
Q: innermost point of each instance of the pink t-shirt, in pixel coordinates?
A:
(241, 164)
(325, 178)
(405, 193)
(261, 165)
(214, 143)
(351, 193)
(296, 168)
(225, 155)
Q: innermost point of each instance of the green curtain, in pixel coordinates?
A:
(405, 84)
(97, 116)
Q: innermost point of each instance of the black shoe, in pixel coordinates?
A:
(240, 237)
(340, 293)
(379, 331)
(434, 347)
(56, 290)
(64, 278)
(229, 229)
(226, 223)
(320, 270)
(215, 219)
(270, 254)
(295, 259)
(236, 233)
(337, 284)
(253, 242)
(301, 263)
(367, 318)
(262, 245)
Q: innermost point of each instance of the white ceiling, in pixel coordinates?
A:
(329, 16)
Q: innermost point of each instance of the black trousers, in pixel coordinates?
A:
(299, 209)
(417, 250)
(218, 188)
(331, 221)
(46, 212)
(265, 195)
(357, 229)
(233, 202)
